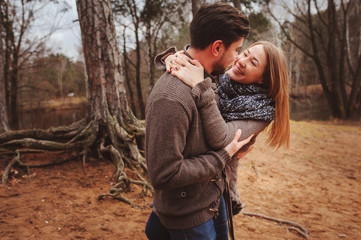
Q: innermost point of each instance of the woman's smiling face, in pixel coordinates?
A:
(249, 66)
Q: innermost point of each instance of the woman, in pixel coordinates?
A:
(261, 65)
(254, 88)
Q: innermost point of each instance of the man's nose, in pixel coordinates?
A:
(235, 56)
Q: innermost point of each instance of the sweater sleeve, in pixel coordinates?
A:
(167, 127)
(219, 133)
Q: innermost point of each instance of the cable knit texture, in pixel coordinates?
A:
(244, 101)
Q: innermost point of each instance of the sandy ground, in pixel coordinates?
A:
(316, 183)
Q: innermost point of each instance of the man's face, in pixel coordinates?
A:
(228, 56)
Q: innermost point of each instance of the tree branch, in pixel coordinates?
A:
(300, 229)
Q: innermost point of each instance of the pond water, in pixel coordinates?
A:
(305, 109)
(309, 109)
(42, 119)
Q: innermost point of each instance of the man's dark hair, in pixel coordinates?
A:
(218, 21)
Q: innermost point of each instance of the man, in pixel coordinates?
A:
(185, 173)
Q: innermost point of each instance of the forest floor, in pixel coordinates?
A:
(316, 183)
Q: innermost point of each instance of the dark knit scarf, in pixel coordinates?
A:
(244, 101)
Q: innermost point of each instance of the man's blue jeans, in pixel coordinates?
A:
(215, 228)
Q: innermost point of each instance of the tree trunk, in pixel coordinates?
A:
(4, 122)
(106, 90)
(138, 63)
(10, 66)
(237, 4)
(126, 70)
(14, 93)
(108, 103)
(355, 95)
(326, 33)
(150, 55)
(196, 4)
(110, 128)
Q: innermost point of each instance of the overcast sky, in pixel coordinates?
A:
(67, 39)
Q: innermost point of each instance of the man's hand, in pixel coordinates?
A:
(235, 145)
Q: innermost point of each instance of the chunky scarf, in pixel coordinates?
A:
(244, 101)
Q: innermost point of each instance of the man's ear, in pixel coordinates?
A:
(217, 48)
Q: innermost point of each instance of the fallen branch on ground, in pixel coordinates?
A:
(294, 226)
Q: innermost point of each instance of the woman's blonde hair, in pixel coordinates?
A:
(275, 78)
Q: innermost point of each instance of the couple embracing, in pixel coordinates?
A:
(197, 128)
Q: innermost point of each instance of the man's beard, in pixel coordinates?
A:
(218, 67)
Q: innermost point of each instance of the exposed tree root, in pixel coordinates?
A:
(118, 196)
(123, 151)
(58, 134)
(17, 161)
(5, 175)
(294, 226)
(100, 139)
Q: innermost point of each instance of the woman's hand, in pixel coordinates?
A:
(191, 72)
(172, 59)
(235, 145)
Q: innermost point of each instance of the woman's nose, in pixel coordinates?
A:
(241, 62)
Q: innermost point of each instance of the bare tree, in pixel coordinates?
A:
(110, 128)
(18, 18)
(156, 23)
(61, 69)
(131, 8)
(196, 4)
(146, 25)
(126, 71)
(237, 3)
(326, 41)
(4, 122)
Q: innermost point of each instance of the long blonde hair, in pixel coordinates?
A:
(275, 78)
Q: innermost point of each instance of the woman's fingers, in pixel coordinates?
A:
(178, 60)
(174, 62)
(182, 59)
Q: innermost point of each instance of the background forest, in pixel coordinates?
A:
(322, 40)
(72, 118)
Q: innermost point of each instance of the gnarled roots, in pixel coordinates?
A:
(102, 139)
